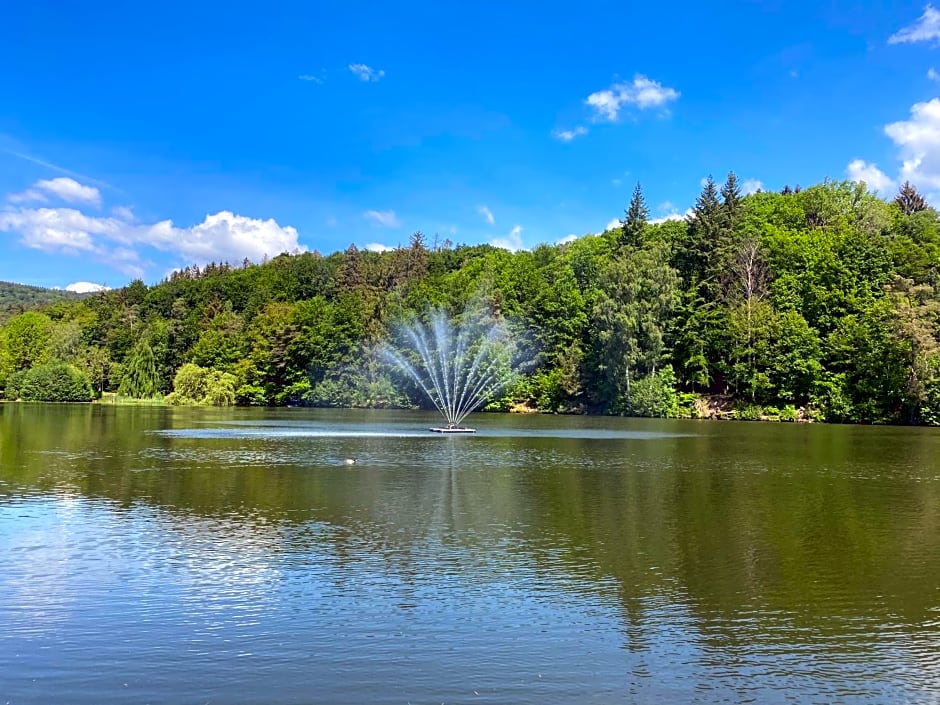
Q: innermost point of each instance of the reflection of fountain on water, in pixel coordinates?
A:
(458, 363)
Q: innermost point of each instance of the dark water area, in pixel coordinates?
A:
(159, 555)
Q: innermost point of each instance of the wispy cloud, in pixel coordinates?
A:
(367, 73)
(933, 75)
(310, 78)
(62, 188)
(123, 212)
(487, 214)
(642, 93)
(387, 219)
(511, 242)
(569, 135)
(570, 237)
(53, 167)
(925, 29)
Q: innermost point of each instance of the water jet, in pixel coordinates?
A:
(458, 363)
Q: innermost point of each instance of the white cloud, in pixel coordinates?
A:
(57, 229)
(568, 135)
(869, 174)
(378, 247)
(669, 212)
(366, 73)
(926, 28)
(387, 219)
(918, 142)
(62, 188)
(310, 78)
(223, 236)
(613, 225)
(86, 288)
(570, 237)
(666, 219)
(512, 242)
(643, 92)
(750, 186)
(487, 214)
(932, 74)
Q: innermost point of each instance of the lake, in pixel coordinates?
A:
(161, 555)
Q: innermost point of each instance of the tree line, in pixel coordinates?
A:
(816, 302)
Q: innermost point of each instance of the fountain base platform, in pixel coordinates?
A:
(453, 429)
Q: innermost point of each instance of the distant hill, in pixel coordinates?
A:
(16, 298)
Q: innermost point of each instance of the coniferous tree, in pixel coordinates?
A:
(695, 255)
(350, 276)
(635, 220)
(731, 201)
(909, 200)
(731, 209)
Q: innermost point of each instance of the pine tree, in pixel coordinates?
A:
(909, 200)
(635, 220)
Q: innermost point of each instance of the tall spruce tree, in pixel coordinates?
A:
(635, 220)
(731, 201)
(695, 255)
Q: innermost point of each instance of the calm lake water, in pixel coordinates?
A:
(152, 555)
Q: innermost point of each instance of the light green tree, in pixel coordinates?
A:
(140, 378)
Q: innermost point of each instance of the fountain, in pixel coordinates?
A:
(458, 364)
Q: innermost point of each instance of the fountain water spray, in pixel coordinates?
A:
(459, 364)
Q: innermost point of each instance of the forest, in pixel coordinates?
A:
(18, 298)
(817, 303)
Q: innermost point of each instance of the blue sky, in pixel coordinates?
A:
(136, 138)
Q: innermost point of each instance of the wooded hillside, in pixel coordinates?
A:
(823, 298)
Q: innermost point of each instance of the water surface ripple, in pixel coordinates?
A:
(192, 556)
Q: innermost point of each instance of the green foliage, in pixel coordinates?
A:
(140, 378)
(930, 405)
(749, 412)
(25, 341)
(654, 395)
(13, 389)
(18, 298)
(194, 385)
(637, 293)
(55, 381)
